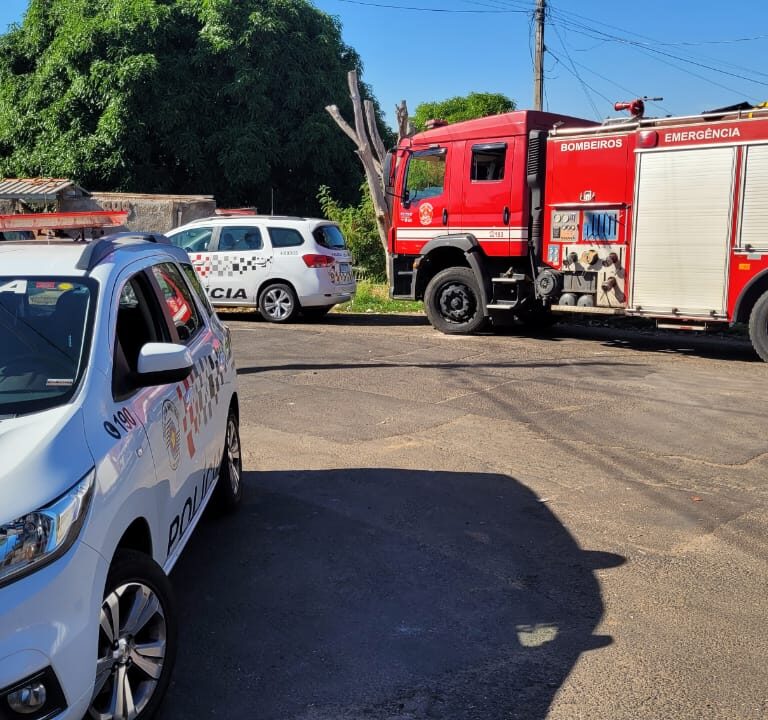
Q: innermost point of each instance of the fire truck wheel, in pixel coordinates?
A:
(758, 327)
(452, 301)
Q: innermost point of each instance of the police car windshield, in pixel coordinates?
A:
(44, 327)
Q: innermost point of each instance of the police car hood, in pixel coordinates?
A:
(42, 455)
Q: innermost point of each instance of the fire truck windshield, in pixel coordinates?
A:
(425, 174)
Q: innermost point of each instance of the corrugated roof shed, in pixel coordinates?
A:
(38, 189)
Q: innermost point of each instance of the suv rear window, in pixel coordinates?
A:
(329, 236)
(285, 237)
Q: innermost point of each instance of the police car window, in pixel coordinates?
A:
(285, 237)
(236, 239)
(194, 281)
(138, 323)
(194, 240)
(178, 298)
(488, 162)
(45, 329)
(329, 236)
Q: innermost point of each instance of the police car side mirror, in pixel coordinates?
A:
(163, 364)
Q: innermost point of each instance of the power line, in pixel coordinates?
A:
(425, 9)
(660, 42)
(606, 39)
(580, 29)
(576, 72)
(632, 93)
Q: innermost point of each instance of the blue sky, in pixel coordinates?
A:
(695, 56)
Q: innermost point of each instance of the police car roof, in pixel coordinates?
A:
(68, 257)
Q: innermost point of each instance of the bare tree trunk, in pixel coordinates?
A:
(371, 151)
(404, 126)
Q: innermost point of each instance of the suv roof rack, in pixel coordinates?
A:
(246, 216)
(99, 249)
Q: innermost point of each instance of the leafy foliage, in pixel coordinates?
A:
(456, 109)
(358, 223)
(186, 96)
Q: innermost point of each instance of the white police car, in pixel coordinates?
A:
(282, 266)
(118, 423)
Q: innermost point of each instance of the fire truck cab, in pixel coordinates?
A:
(528, 214)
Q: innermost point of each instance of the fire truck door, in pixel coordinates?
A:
(426, 210)
(682, 231)
(488, 212)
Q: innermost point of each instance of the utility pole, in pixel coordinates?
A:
(538, 60)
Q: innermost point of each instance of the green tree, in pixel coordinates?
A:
(456, 109)
(192, 96)
(358, 223)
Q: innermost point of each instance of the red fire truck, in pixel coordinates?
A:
(530, 214)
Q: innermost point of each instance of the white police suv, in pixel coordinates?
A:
(282, 266)
(118, 424)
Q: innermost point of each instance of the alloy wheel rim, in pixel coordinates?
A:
(278, 303)
(132, 649)
(233, 456)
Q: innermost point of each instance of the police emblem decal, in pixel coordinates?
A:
(171, 432)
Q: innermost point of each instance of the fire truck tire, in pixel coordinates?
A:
(758, 327)
(453, 302)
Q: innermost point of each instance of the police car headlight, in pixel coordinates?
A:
(40, 537)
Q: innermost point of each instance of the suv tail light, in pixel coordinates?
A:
(318, 261)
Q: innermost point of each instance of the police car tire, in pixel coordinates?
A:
(229, 494)
(460, 277)
(269, 293)
(131, 566)
(758, 327)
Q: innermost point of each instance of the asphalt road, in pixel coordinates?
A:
(489, 527)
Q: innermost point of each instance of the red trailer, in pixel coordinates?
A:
(11, 226)
(528, 214)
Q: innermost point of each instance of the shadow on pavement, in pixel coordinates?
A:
(382, 593)
(618, 335)
(713, 347)
(333, 318)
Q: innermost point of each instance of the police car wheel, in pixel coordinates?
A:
(230, 486)
(452, 301)
(137, 640)
(758, 327)
(277, 303)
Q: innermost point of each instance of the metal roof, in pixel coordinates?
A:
(32, 189)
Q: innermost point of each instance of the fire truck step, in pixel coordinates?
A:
(703, 327)
(502, 306)
(516, 278)
(586, 310)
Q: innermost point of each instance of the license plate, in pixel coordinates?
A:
(341, 274)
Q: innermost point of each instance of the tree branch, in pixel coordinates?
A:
(342, 123)
(373, 132)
